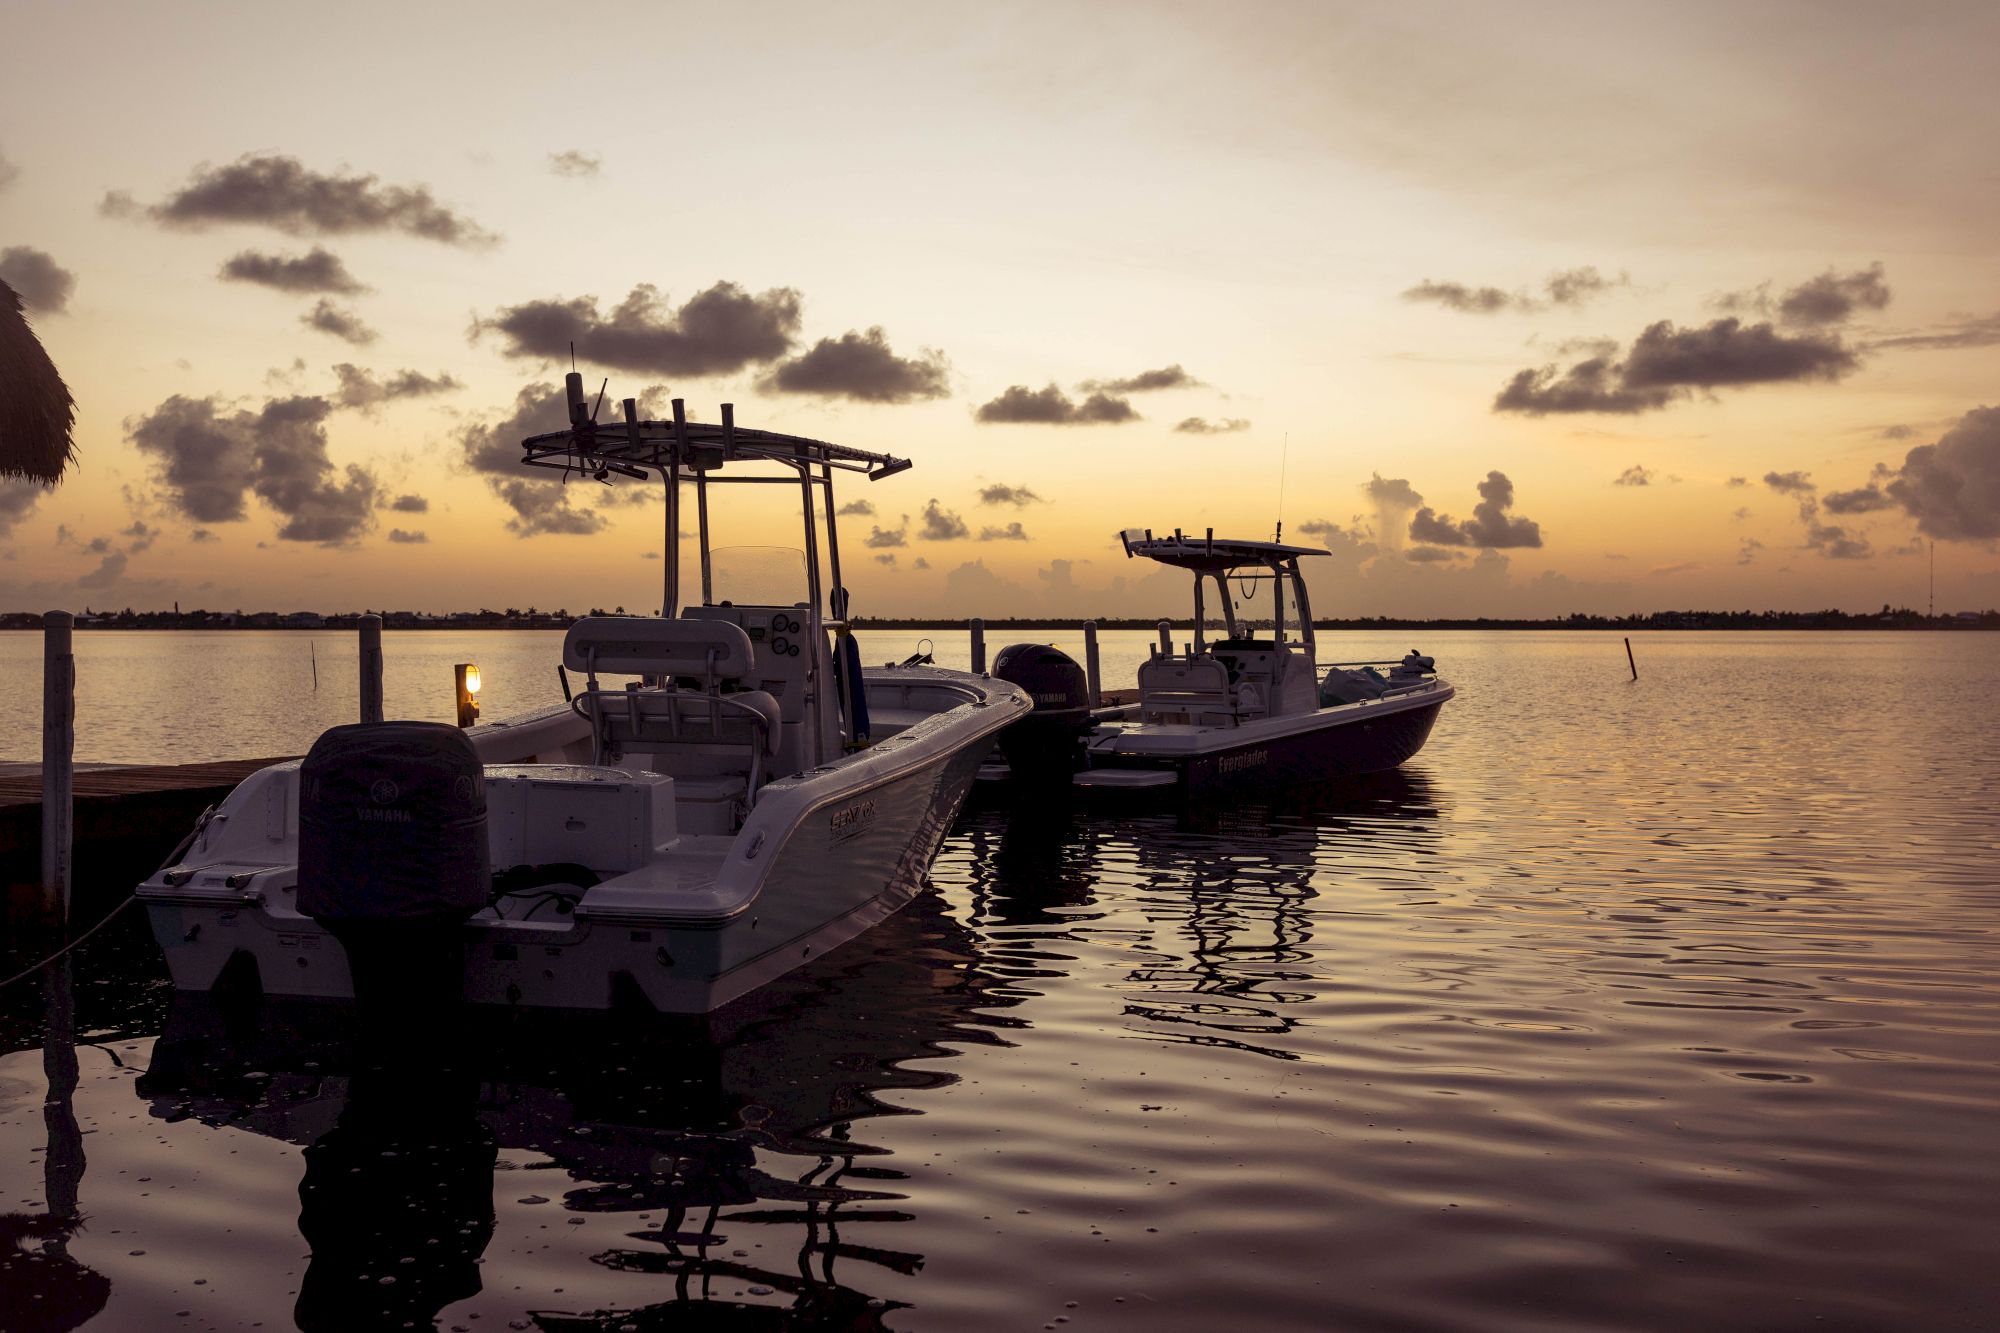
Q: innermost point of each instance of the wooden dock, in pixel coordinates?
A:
(127, 817)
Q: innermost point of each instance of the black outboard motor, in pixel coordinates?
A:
(1048, 742)
(393, 858)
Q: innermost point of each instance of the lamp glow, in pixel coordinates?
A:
(471, 679)
(465, 684)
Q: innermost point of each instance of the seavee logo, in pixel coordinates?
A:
(852, 820)
(1236, 763)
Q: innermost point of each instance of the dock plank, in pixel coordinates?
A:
(22, 784)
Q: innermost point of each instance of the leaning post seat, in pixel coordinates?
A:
(708, 651)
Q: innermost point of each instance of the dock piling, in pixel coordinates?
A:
(1090, 663)
(978, 628)
(58, 760)
(1630, 660)
(1166, 638)
(371, 668)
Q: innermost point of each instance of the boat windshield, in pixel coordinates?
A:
(758, 575)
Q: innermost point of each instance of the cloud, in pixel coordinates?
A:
(1394, 499)
(1741, 514)
(1576, 286)
(202, 535)
(210, 460)
(9, 173)
(360, 389)
(880, 538)
(1432, 555)
(1052, 407)
(1668, 363)
(1490, 527)
(1832, 298)
(1470, 300)
(574, 162)
(1146, 381)
(716, 332)
(317, 270)
(410, 504)
(1665, 571)
(283, 193)
(1790, 483)
(920, 563)
(541, 505)
(18, 498)
(1898, 432)
(405, 537)
(43, 285)
(1736, 482)
(143, 535)
(941, 525)
(1203, 426)
(1833, 541)
(1636, 475)
(858, 507)
(1973, 331)
(1746, 550)
(1000, 493)
(887, 559)
(1952, 488)
(862, 366)
(341, 323)
(1862, 500)
(1013, 532)
(109, 570)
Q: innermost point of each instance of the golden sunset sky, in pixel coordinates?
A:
(1694, 279)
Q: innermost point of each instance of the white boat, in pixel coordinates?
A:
(1252, 709)
(745, 798)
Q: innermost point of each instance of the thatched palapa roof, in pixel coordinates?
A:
(36, 411)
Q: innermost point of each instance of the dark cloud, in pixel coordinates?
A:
(1833, 541)
(1977, 331)
(1862, 500)
(863, 507)
(1790, 483)
(1746, 550)
(404, 537)
(880, 538)
(1741, 514)
(1576, 286)
(1735, 483)
(575, 162)
(1000, 493)
(1013, 532)
(1203, 426)
(1393, 500)
(1896, 432)
(1490, 527)
(717, 332)
(340, 322)
(201, 535)
(361, 389)
(43, 285)
(109, 570)
(1666, 363)
(1167, 377)
(1636, 475)
(941, 525)
(410, 504)
(1471, 300)
(541, 504)
(1832, 298)
(888, 559)
(1432, 555)
(143, 535)
(862, 366)
(18, 498)
(283, 193)
(1952, 488)
(317, 270)
(210, 460)
(920, 563)
(1052, 407)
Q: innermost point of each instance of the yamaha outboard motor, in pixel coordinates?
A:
(1048, 742)
(393, 859)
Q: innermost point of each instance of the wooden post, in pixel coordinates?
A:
(978, 645)
(1090, 663)
(1629, 660)
(58, 760)
(371, 668)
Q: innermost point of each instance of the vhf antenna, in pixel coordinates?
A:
(1284, 459)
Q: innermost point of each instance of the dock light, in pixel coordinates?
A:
(467, 677)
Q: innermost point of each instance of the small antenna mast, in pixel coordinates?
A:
(1284, 460)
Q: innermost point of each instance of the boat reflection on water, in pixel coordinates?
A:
(733, 1125)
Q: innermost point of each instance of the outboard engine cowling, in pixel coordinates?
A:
(393, 856)
(1049, 740)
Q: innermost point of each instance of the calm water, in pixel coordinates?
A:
(1664, 1005)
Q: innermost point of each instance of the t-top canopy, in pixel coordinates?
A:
(633, 447)
(1209, 553)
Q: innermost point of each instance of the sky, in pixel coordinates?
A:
(1517, 310)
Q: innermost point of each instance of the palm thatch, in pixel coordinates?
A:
(36, 411)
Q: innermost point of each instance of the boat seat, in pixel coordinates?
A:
(650, 719)
(1186, 687)
(711, 650)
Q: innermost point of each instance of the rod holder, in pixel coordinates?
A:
(978, 628)
(1093, 683)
